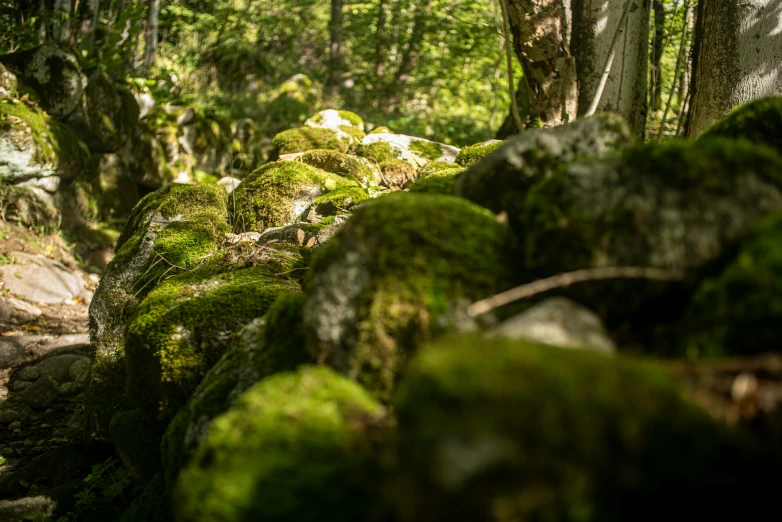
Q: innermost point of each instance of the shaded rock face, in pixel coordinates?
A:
(8, 83)
(40, 280)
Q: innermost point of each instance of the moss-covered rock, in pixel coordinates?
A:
(435, 168)
(416, 151)
(32, 145)
(29, 206)
(351, 167)
(501, 181)
(8, 83)
(183, 327)
(759, 121)
(340, 200)
(509, 430)
(397, 173)
(436, 178)
(381, 130)
(377, 152)
(473, 153)
(207, 141)
(739, 311)
(144, 158)
(278, 193)
(114, 191)
(392, 275)
(297, 446)
(106, 115)
(152, 505)
(291, 102)
(137, 440)
(343, 122)
(54, 72)
(169, 231)
(303, 139)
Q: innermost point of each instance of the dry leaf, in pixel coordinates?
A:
(311, 242)
(300, 236)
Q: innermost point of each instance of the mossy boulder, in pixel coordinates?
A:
(291, 102)
(183, 327)
(436, 178)
(137, 440)
(392, 277)
(297, 446)
(169, 231)
(29, 206)
(207, 141)
(32, 145)
(279, 193)
(267, 345)
(113, 187)
(493, 429)
(758, 121)
(152, 505)
(8, 83)
(343, 122)
(339, 201)
(106, 115)
(397, 173)
(739, 310)
(54, 72)
(473, 153)
(351, 167)
(416, 151)
(144, 158)
(303, 139)
(502, 179)
(377, 152)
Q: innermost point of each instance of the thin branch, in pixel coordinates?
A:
(610, 60)
(509, 54)
(579, 276)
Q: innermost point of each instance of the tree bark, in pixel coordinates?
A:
(657, 53)
(594, 25)
(89, 22)
(335, 48)
(541, 30)
(41, 22)
(61, 26)
(411, 54)
(153, 17)
(737, 57)
(381, 37)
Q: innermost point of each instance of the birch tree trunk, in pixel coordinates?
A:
(595, 22)
(737, 57)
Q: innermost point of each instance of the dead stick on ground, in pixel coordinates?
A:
(569, 278)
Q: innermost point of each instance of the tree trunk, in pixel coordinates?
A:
(541, 30)
(657, 53)
(61, 26)
(737, 58)
(335, 48)
(40, 23)
(89, 21)
(381, 38)
(153, 16)
(594, 25)
(411, 54)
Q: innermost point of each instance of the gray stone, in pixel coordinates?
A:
(558, 322)
(58, 367)
(80, 371)
(29, 373)
(8, 83)
(40, 280)
(40, 345)
(406, 148)
(12, 309)
(28, 508)
(31, 206)
(41, 394)
(11, 352)
(68, 388)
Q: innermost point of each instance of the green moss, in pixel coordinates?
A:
(739, 311)
(339, 200)
(138, 442)
(307, 138)
(181, 329)
(204, 178)
(393, 274)
(353, 118)
(378, 152)
(339, 163)
(434, 168)
(295, 447)
(397, 173)
(436, 184)
(473, 153)
(759, 121)
(381, 130)
(426, 149)
(509, 430)
(54, 142)
(152, 505)
(277, 193)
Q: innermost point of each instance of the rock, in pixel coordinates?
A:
(558, 322)
(80, 371)
(182, 224)
(144, 100)
(279, 193)
(29, 373)
(55, 466)
(20, 385)
(106, 115)
(339, 201)
(153, 504)
(32, 145)
(473, 153)
(571, 410)
(229, 183)
(41, 345)
(143, 157)
(9, 416)
(24, 509)
(58, 367)
(112, 185)
(11, 352)
(8, 83)
(312, 419)
(39, 279)
(397, 174)
(30, 206)
(206, 141)
(15, 425)
(345, 123)
(502, 179)
(351, 167)
(16, 309)
(393, 275)
(55, 74)
(68, 388)
(304, 139)
(758, 121)
(416, 151)
(41, 394)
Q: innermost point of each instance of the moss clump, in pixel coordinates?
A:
(381, 130)
(426, 149)
(53, 142)
(391, 276)
(739, 311)
(353, 118)
(338, 163)
(297, 446)
(589, 438)
(435, 168)
(473, 153)
(378, 151)
(437, 184)
(758, 121)
(137, 440)
(278, 193)
(182, 327)
(307, 138)
(340, 200)
(397, 173)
